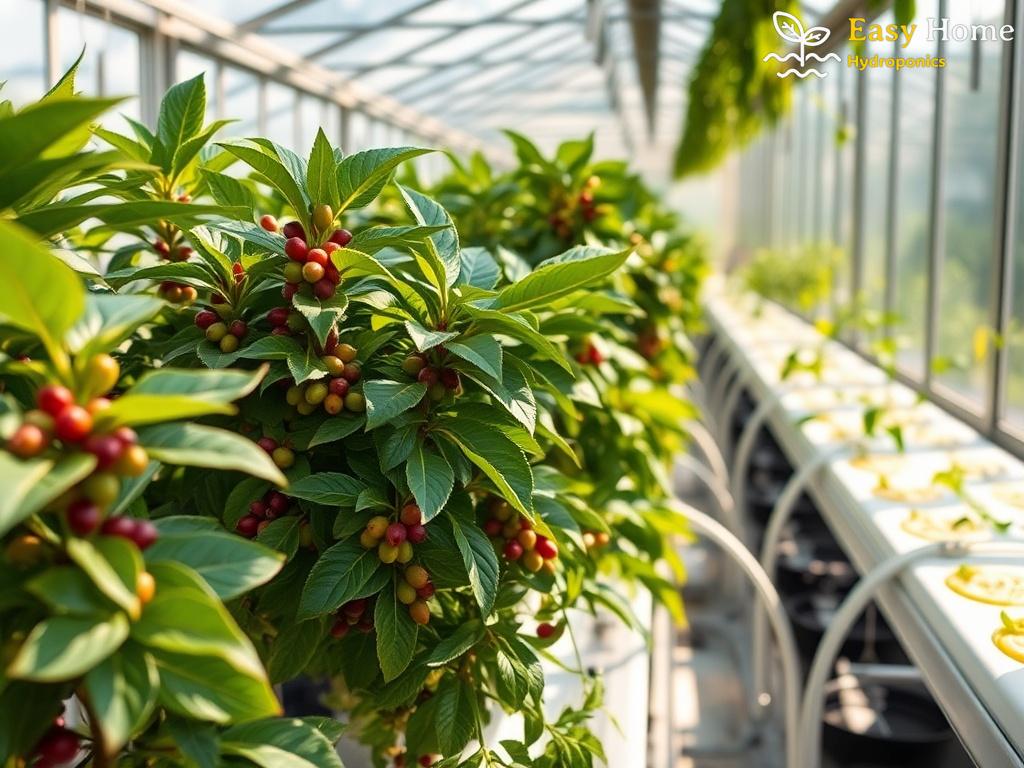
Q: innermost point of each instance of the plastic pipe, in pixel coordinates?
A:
(813, 701)
(765, 590)
(780, 515)
(716, 396)
(729, 404)
(704, 440)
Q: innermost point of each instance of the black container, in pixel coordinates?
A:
(869, 724)
(809, 565)
(811, 614)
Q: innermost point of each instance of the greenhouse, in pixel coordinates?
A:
(511, 384)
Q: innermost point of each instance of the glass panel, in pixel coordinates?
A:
(913, 193)
(241, 102)
(462, 11)
(878, 154)
(22, 43)
(973, 78)
(111, 66)
(325, 12)
(359, 132)
(846, 81)
(468, 43)
(280, 123)
(379, 47)
(232, 10)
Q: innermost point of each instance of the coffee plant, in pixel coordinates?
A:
(268, 416)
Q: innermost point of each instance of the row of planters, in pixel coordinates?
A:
(268, 416)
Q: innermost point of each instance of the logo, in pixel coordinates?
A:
(792, 30)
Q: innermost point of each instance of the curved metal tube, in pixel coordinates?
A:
(813, 701)
(776, 614)
(769, 555)
(729, 403)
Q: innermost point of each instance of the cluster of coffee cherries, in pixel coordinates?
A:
(649, 343)
(177, 252)
(281, 454)
(394, 540)
(176, 293)
(335, 393)
(356, 614)
(567, 208)
(262, 512)
(424, 760)
(58, 421)
(595, 539)
(171, 248)
(588, 208)
(58, 746)
(589, 354)
(439, 380)
(513, 536)
(310, 266)
(218, 322)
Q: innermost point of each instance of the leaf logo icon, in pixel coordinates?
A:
(789, 27)
(792, 30)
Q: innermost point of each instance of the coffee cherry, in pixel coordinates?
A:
(427, 760)
(347, 353)
(352, 372)
(545, 630)
(427, 376)
(331, 344)
(426, 591)
(413, 364)
(217, 299)
(330, 247)
(339, 629)
(106, 448)
(145, 587)
(528, 539)
(420, 612)
(25, 551)
(247, 526)
(416, 534)
(83, 517)
(306, 409)
(98, 405)
(238, 328)
(101, 374)
(145, 534)
(405, 593)
(102, 488)
(162, 248)
(27, 442)
(334, 365)
(306, 536)
(355, 608)
(292, 272)
(416, 576)
(500, 508)
(395, 534)
(296, 249)
(532, 561)
(205, 318)
(323, 217)
(513, 550)
(58, 745)
(437, 391)
(216, 332)
(294, 229)
(281, 330)
(188, 294)
(53, 399)
(294, 396)
(278, 316)
(258, 508)
(324, 289)
(546, 548)
(405, 552)
(450, 379)
(492, 527)
(278, 502)
(181, 253)
(268, 444)
(511, 529)
(355, 402)
(283, 457)
(316, 392)
(317, 256)
(229, 344)
(331, 273)
(338, 386)
(342, 237)
(288, 291)
(312, 272)
(377, 526)
(73, 424)
(387, 553)
(411, 514)
(268, 222)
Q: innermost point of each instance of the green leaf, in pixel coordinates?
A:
(113, 564)
(483, 351)
(193, 445)
(481, 562)
(223, 386)
(424, 338)
(271, 167)
(227, 190)
(454, 717)
(479, 268)
(253, 233)
(513, 392)
(387, 399)
(396, 634)
(430, 479)
(321, 179)
(208, 688)
(497, 456)
(30, 485)
(337, 577)
(230, 564)
(332, 430)
(42, 295)
(329, 488)
(284, 743)
(65, 647)
(33, 131)
(109, 319)
(442, 248)
(559, 276)
(282, 534)
(122, 692)
(197, 741)
(65, 589)
(363, 175)
(182, 111)
(373, 239)
(293, 649)
(456, 644)
(191, 148)
(323, 316)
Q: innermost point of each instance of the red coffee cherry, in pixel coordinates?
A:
(513, 550)
(106, 448)
(238, 329)
(73, 424)
(545, 630)
(416, 534)
(324, 289)
(205, 318)
(247, 526)
(342, 237)
(338, 387)
(546, 548)
(268, 444)
(268, 222)
(411, 514)
(278, 502)
(58, 745)
(493, 527)
(427, 376)
(395, 534)
(145, 534)
(294, 229)
(317, 256)
(278, 316)
(27, 442)
(54, 398)
(296, 249)
(83, 517)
